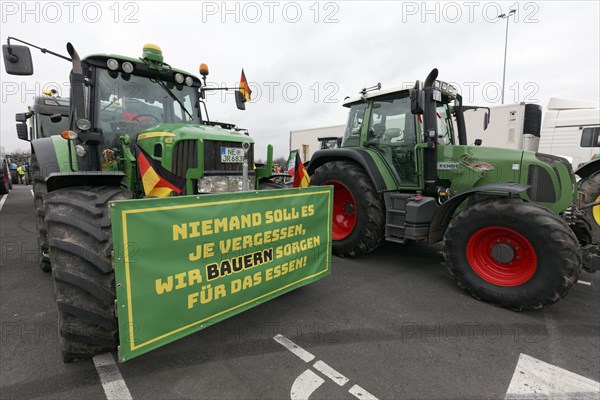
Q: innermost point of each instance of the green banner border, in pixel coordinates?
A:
(119, 212)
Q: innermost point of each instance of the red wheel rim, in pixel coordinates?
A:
(501, 256)
(344, 211)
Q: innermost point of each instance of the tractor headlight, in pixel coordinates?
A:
(112, 64)
(189, 81)
(127, 67)
(179, 78)
(223, 183)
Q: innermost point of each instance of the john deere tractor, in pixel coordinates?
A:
(512, 233)
(119, 107)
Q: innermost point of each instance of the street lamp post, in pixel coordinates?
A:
(505, 16)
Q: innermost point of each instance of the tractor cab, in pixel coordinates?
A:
(385, 122)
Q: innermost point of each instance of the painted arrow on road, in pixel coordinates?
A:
(535, 379)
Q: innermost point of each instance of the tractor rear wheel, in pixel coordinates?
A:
(590, 187)
(512, 254)
(358, 225)
(39, 190)
(80, 241)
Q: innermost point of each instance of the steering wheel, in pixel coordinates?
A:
(135, 119)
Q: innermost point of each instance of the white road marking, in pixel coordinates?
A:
(32, 192)
(585, 282)
(305, 385)
(112, 382)
(2, 201)
(294, 348)
(330, 373)
(535, 379)
(361, 393)
(308, 381)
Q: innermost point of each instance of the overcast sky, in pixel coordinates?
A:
(303, 58)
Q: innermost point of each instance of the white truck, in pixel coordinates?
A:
(570, 128)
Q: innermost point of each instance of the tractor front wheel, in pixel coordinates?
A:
(512, 254)
(358, 225)
(80, 242)
(39, 190)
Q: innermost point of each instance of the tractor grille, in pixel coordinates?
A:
(212, 157)
(185, 156)
(541, 188)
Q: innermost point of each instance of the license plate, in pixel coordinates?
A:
(232, 155)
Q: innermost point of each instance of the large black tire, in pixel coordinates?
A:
(39, 190)
(358, 210)
(512, 254)
(80, 241)
(590, 187)
(5, 184)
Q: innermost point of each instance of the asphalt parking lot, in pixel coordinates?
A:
(392, 324)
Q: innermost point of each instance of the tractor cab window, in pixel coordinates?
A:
(392, 132)
(44, 127)
(129, 104)
(391, 123)
(354, 126)
(444, 125)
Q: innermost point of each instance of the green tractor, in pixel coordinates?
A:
(513, 235)
(48, 116)
(119, 108)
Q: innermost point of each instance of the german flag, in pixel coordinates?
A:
(244, 88)
(157, 181)
(301, 178)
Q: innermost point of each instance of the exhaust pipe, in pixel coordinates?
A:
(431, 134)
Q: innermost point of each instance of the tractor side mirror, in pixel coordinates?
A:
(22, 117)
(240, 100)
(478, 142)
(17, 60)
(417, 100)
(486, 120)
(22, 131)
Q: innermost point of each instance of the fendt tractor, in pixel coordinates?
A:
(119, 106)
(515, 231)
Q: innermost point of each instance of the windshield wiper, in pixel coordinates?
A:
(166, 89)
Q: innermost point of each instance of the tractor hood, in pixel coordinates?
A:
(191, 132)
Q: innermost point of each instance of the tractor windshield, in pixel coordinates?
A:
(392, 123)
(129, 104)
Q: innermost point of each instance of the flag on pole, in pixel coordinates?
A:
(244, 87)
(301, 178)
(157, 180)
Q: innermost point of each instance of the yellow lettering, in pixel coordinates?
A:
(164, 287)
(194, 226)
(179, 231)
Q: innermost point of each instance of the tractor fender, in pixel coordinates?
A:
(46, 156)
(444, 214)
(588, 169)
(60, 180)
(56, 173)
(358, 156)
